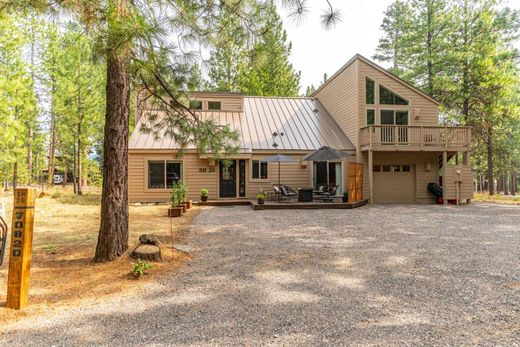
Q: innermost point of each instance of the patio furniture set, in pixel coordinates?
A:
(284, 193)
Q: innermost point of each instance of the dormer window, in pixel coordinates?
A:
(387, 97)
(195, 105)
(214, 105)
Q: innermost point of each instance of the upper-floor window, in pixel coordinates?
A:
(370, 91)
(163, 173)
(387, 97)
(195, 104)
(259, 170)
(214, 105)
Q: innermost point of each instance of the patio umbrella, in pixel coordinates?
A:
(325, 154)
(279, 158)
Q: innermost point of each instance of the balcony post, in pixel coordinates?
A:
(421, 137)
(371, 176)
(370, 133)
(395, 137)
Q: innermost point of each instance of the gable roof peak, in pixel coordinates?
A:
(358, 56)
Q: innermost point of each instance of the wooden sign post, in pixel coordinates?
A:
(21, 247)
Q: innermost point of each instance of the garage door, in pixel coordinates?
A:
(394, 183)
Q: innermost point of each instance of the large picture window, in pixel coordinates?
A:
(163, 173)
(370, 91)
(387, 97)
(259, 170)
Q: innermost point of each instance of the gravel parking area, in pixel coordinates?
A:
(382, 275)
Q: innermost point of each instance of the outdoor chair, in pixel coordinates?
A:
(329, 196)
(287, 192)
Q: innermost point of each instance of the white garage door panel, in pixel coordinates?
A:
(397, 187)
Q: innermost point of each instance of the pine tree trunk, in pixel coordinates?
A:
(15, 174)
(52, 149)
(113, 232)
(30, 155)
(491, 185)
(513, 180)
(74, 168)
(79, 190)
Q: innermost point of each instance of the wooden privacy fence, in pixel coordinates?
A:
(355, 182)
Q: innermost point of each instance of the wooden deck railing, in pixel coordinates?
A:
(404, 137)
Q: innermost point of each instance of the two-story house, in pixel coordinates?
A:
(386, 124)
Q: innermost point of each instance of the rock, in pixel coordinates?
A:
(182, 248)
(147, 239)
(146, 252)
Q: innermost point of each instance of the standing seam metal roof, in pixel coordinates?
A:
(305, 123)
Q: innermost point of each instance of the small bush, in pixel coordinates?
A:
(139, 268)
(50, 249)
(57, 195)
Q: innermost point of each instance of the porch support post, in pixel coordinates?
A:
(444, 182)
(371, 175)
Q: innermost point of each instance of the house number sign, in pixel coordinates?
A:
(20, 251)
(205, 169)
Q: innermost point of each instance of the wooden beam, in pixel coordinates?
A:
(21, 247)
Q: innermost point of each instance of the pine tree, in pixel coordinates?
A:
(270, 73)
(394, 46)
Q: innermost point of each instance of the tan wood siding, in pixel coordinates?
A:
(340, 97)
(465, 178)
(292, 174)
(197, 174)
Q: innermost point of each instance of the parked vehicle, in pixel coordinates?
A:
(58, 179)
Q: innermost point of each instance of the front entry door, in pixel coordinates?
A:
(228, 179)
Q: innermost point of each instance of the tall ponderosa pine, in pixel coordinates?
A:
(251, 64)
(394, 46)
(270, 73)
(18, 104)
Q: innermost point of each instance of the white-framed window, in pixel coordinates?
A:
(259, 170)
(163, 173)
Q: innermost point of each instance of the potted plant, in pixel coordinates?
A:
(204, 194)
(260, 197)
(345, 197)
(180, 191)
(176, 209)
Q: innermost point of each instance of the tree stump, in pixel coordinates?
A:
(148, 239)
(146, 252)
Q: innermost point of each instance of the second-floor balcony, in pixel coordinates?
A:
(415, 138)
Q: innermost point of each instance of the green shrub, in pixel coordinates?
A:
(50, 249)
(178, 194)
(139, 268)
(204, 192)
(57, 194)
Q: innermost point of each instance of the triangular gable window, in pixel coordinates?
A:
(387, 97)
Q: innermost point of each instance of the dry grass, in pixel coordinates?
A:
(65, 236)
(502, 199)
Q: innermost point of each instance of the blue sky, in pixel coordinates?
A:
(316, 51)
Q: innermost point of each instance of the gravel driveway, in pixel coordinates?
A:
(383, 275)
